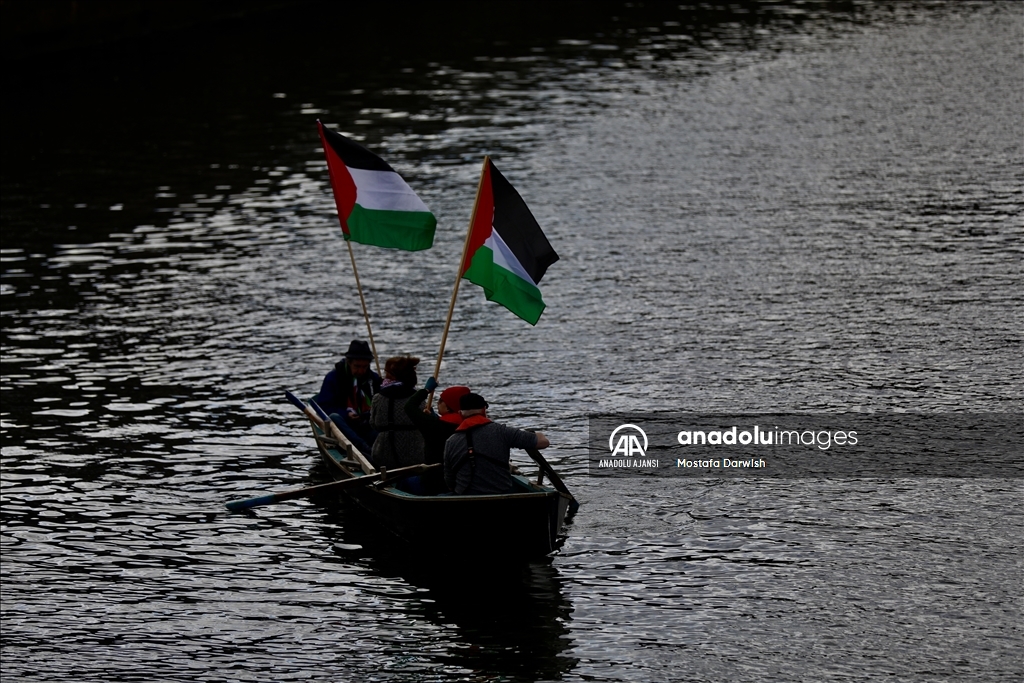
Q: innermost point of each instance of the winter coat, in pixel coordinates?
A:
(399, 442)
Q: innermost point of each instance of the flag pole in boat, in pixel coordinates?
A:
(375, 205)
(458, 277)
(362, 300)
(348, 242)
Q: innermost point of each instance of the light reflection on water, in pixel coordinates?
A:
(815, 217)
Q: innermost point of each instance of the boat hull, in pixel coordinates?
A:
(524, 524)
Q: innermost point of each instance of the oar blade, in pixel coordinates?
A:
(296, 401)
(248, 503)
(319, 411)
(556, 481)
(574, 505)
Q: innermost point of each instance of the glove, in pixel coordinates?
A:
(430, 384)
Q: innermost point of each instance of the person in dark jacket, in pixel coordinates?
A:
(435, 428)
(477, 458)
(399, 443)
(347, 393)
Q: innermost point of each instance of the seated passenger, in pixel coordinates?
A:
(399, 443)
(347, 392)
(435, 428)
(477, 458)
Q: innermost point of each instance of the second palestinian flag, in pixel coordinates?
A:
(375, 205)
(507, 253)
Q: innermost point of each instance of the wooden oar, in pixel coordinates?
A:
(270, 499)
(318, 417)
(555, 479)
(350, 450)
(310, 413)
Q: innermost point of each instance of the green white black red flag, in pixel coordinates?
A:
(375, 205)
(507, 253)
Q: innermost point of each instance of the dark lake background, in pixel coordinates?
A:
(796, 206)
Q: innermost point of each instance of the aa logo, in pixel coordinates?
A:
(628, 444)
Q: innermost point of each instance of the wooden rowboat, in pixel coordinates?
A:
(524, 524)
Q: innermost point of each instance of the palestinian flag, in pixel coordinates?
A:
(375, 206)
(506, 253)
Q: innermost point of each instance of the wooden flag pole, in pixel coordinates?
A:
(348, 241)
(362, 300)
(458, 278)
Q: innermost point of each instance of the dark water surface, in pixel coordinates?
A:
(789, 207)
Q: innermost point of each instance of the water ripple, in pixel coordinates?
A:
(783, 206)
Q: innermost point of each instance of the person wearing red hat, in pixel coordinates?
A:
(448, 405)
(436, 428)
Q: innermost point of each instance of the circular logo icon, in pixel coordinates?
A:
(628, 442)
